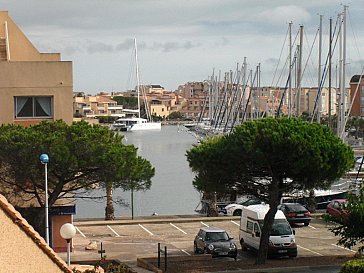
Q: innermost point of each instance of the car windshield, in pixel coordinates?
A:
(280, 228)
(296, 208)
(216, 236)
(243, 200)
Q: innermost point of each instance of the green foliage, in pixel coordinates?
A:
(353, 266)
(127, 102)
(175, 116)
(82, 156)
(301, 155)
(106, 119)
(347, 228)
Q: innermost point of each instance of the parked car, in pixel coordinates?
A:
(215, 241)
(337, 207)
(236, 209)
(296, 213)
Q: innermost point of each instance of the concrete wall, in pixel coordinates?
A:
(19, 253)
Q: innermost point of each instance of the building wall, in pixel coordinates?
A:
(19, 253)
(21, 49)
(27, 72)
(36, 79)
(58, 243)
(358, 98)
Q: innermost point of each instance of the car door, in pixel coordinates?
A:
(200, 242)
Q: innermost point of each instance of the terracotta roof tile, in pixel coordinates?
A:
(29, 230)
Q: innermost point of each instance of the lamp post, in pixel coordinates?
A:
(45, 159)
(68, 231)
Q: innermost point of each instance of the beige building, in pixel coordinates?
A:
(34, 86)
(94, 106)
(22, 249)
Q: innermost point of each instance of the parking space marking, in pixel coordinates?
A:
(146, 229)
(206, 225)
(184, 251)
(344, 248)
(80, 232)
(178, 228)
(235, 223)
(310, 250)
(117, 235)
(311, 227)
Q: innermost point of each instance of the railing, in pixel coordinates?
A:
(161, 251)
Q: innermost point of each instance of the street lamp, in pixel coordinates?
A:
(45, 159)
(68, 231)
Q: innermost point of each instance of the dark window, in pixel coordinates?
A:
(33, 107)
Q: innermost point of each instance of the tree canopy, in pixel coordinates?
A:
(81, 156)
(127, 102)
(267, 158)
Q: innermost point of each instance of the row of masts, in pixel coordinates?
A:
(234, 97)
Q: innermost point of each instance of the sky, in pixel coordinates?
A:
(182, 41)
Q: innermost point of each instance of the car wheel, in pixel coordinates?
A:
(237, 212)
(243, 247)
(306, 223)
(195, 249)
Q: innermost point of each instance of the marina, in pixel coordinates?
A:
(171, 192)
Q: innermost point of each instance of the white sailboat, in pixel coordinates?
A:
(137, 123)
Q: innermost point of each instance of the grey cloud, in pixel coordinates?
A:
(173, 46)
(98, 47)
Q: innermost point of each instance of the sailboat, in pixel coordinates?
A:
(137, 123)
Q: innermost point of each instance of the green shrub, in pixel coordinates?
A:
(353, 266)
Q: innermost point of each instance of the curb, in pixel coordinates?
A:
(153, 221)
(298, 269)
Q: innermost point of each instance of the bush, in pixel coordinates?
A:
(353, 266)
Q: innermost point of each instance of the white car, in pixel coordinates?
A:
(235, 209)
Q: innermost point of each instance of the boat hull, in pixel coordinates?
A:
(146, 126)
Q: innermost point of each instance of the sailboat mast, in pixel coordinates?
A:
(290, 72)
(319, 89)
(137, 74)
(299, 75)
(343, 72)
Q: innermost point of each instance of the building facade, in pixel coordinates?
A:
(34, 86)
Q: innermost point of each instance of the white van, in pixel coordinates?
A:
(282, 239)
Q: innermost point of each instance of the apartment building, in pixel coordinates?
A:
(34, 86)
(94, 106)
(357, 91)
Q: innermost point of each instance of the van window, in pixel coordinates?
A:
(256, 228)
(281, 227)
(249, 226)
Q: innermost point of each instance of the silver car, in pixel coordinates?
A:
(215, 241)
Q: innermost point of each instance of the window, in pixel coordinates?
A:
(33, 107)
(249, 226)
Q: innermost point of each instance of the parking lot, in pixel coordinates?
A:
(128, 240)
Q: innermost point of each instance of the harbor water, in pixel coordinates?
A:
(171, 192)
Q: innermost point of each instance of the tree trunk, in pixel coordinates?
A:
(212, 208)
(109, 210)
(274, 199)
(311, 202)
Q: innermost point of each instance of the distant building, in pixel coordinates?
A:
(34, 86)
(357, 95)
(94, 106)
